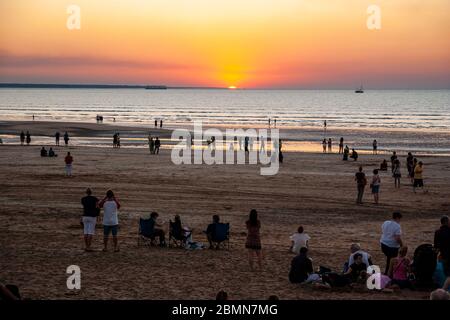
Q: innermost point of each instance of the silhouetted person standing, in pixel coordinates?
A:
(156, 123)
(341, 145)
(66, 139)
(361, 181)
(57, 135)
(22, 138)
(28, 138)
(157, 145)
(160, 123)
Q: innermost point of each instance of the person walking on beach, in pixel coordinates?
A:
(330, 144)
(375, 185)
(391, 239)
(253, 242)
(110, 205)
(157, 145)
(66, 138)
(118, 140)
(156, 123)
(409, 166)
(396, 174)
(341, 145)
(393, 158)
(57, 136)
(324, 145)
(418, 176)
(361, 181)
(28, 138)
(375, 146)
(22, 138)
(91, 212)
(151, 144)
(115, 140)
(160, 123)
(262, 146)
(269, 122)
(246, 144)
(68, 160)
(275, 122)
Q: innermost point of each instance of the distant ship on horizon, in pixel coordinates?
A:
(360, 90)
(155, 87)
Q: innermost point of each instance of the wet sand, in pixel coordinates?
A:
(40, 234)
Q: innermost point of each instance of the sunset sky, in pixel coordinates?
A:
(243, 43)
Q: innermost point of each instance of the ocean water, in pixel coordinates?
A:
(426, 113)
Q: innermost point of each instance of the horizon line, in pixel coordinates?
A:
(164, 87)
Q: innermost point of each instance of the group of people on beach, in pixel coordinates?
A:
(429, 269)
(154, 144)
(415, 173)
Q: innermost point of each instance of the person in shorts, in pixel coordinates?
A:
(110, 207)
(418, 176)
(91, 212)
(68, 161)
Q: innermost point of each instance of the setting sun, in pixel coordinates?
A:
(232, 87)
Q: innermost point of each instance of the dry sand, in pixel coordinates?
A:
(40, 234)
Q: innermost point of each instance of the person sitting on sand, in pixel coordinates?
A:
(52, 153)
(346, 152)
(43, 152)
(357, 271)
(439, 294)
(384, 165)
(299, 240)
(157, 232)
(301, 267)
(110, 205)
(354, 155)
(399, 269)
(354, 249)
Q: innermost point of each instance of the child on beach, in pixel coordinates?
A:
(375, 185)
(253, 243)
(68, 161)
(110, 205)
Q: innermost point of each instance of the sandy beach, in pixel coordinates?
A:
(40, 232)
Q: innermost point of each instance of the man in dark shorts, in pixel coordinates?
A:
(361, 181)
(91, 211)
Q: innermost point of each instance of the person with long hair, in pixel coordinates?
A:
(253, 243)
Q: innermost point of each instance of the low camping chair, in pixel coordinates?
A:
(177, 235)
(222, 235)
(145, 236)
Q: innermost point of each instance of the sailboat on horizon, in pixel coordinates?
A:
(360, 90)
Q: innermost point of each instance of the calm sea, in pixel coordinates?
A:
(417, 110)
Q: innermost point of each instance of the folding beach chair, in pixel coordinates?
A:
(222, 235)
(177, 235)
(145, 235)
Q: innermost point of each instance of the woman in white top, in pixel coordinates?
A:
(299, 240)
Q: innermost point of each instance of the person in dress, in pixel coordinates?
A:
(253, 243)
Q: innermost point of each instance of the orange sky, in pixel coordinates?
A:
(245, 43)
